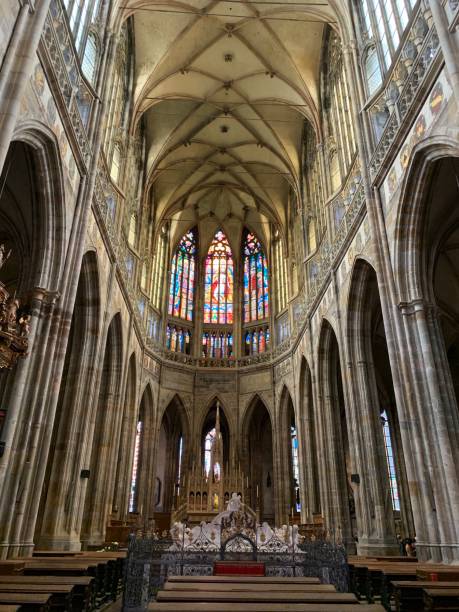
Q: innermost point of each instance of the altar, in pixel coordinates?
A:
(211, 484)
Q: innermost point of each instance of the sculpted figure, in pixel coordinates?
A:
(234, 503)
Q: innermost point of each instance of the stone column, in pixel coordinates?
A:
(17, 66)
(448, 42)
(434, 433)
(376, 526)
(27, 431)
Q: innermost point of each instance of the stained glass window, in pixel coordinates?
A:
(217, 345)
(295, 467)
(181, 292)
(219, 281)
(281, 277)
(256, 341)
(390, 462)
(157, 271)
(256, 303)
(135, 469)
(179, 468)
(178, 340)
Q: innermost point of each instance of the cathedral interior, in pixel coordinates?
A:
(229, 263)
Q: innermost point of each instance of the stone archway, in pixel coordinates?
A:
(32, 205)
(257, 454)
(426, 272)
(380, 486)
(334, 450)
(172, 458)
(125, 452)
(307, 431)
(66, 457)
(99, 498)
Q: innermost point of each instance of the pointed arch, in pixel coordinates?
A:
(140, 482)
(99, 497)
(128, 428)
(307, 430)
(172, 455)
(46, 203)
(334, 450)
(258, 457)
(208, 423)
(183, 277)
(255, 279)
(66, 455)
(219, 281)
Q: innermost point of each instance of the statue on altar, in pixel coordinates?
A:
(235, 503)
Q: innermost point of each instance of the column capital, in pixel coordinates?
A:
(415, 306)
(28, 3)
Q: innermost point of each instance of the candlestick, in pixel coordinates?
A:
(257, 491)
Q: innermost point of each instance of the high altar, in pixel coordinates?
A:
(207, 492)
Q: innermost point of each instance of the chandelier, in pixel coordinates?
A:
(14, 323)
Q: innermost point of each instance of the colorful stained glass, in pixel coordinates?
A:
(217, 345)
(178, 339)
(219, 281)
(256, 341)
(295, 467)
(256, 301)
(181, 292)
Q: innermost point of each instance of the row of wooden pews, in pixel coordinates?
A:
(405, 585)
(61, 581)
(254, 594)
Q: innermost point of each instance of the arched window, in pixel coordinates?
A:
(383, 22)
(312, 236)
(372, 70)
(179, 467)
(295, 467)
(89, 63)
(390, 462)
(178, 340)
(281, 275)
(157, 272)
(181, 291)
(219, 282)
(132, 236)
(133, 496)
(217, 345)
(117, 105)
(341, 137)
(81, 13)
(256, 301)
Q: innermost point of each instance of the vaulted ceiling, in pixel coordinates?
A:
(224, 88)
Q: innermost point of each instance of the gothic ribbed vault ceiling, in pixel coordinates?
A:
(224, 89)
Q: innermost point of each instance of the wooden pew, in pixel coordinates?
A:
(11, 566)
(247, 587)
(408, 595)
(38, 602)
(60, 595)
(441, 599)
(265, 607)
(83, 587)
(100, 569)
(256, 597)
(242, 579)
(440, 573)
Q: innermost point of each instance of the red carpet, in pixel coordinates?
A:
(238, 568)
